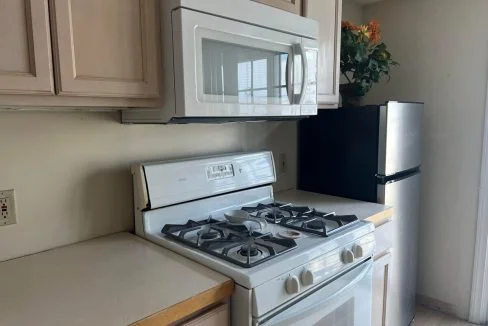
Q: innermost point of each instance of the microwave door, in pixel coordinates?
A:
(233, 69)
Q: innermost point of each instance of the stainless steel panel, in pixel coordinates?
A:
(404, 196)
(400, 137)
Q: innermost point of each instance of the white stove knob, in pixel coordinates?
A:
(358, 251)
(347, 257)
(308, 277)
(292, 285)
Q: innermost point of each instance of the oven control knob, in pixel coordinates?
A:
(292, 285)
(358, 251)
(308, 277)
(347, 257)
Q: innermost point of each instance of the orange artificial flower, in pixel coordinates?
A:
(374, 28)
(347, 24)
(370, 32)
(350, 26)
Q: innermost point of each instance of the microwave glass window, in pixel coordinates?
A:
(240, 74)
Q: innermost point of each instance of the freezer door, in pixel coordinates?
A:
(400, 133)
(404, 196)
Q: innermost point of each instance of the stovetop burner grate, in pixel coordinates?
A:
(233, 243)
(319, 223)
(302, 218)
(275, 212)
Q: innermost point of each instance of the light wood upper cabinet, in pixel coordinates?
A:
(25, 50)
(106, 48)
(328, 13)
(294, 6)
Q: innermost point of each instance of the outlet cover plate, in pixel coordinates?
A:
(8, 214)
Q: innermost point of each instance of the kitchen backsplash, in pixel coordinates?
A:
(71, 174)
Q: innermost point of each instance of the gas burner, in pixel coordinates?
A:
(209, 234)
(234, 243)
(275, 212)
(323, 224)
(249, 250)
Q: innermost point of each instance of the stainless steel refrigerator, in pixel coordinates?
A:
(372, 153)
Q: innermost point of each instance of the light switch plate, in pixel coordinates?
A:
(8, 214)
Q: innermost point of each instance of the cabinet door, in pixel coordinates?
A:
(381, 288)
(294, 6)
(328, 13)
(219, 316)
(25, 51)
(106, 48)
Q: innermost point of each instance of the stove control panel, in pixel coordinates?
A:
(304, 278)
(321, 269)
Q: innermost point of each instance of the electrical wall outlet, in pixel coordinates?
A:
(7, 207)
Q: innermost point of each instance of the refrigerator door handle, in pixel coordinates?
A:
(386, 179)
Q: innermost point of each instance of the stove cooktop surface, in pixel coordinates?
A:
(246, 246)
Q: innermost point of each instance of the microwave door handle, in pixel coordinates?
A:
(289, 76)
(301, 50)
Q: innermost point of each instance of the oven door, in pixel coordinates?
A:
(225, 68)
(346, 301)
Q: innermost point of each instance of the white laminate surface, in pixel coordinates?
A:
(113, 280)
(326, 203)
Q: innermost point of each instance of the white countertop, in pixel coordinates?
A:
(373, 212)
(113, 280)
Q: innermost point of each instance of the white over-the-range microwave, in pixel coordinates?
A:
(233, 60)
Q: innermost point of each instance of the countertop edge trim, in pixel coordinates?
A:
(379, 218)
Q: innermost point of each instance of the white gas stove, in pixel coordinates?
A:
(291, 265)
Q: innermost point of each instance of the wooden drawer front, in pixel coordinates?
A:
(219, 316)
(384, 237)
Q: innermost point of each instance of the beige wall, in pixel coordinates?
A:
(352, 11)
(71, 170)
(442, 46)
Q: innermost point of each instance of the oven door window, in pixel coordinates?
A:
(347, 301)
